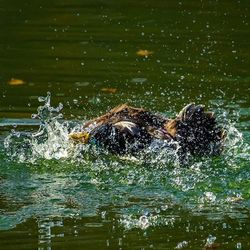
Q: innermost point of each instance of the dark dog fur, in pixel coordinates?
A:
(128, 130)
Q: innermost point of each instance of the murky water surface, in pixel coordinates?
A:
(54, 195)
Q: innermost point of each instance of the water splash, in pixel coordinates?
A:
(207, 186)
(46, 113)
(49, 142)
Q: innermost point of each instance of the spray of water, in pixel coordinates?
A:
(203, 184)
(51, 141)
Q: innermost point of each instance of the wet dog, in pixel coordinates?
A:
(128, 130)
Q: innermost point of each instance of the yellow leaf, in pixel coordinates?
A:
(109, 90)
(15, 81)
(144, 52)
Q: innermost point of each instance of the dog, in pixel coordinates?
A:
(127, 130)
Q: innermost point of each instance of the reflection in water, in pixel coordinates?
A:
(45, 235)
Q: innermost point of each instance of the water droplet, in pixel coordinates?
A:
(210, 240)
(238, 245)
(182, 244)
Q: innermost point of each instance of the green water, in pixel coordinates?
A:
(74, 49)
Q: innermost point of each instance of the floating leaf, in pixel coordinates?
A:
(109, 90)
(144, 52)
(15, 82)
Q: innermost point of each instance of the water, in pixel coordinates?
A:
(54, 195)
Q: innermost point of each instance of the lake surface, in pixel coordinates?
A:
(90, 55)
